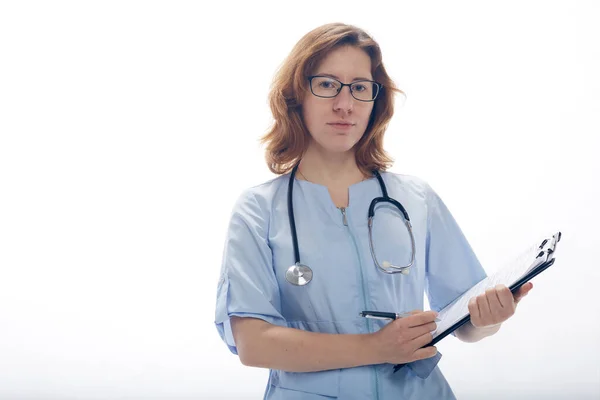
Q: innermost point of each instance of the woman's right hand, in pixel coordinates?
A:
(400, 341)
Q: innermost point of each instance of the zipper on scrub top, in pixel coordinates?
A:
(344, 219)
(364, 297)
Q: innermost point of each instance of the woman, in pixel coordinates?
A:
(296, 311)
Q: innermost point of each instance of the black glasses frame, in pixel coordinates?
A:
(378, 85)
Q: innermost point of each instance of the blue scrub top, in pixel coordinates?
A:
(258, 251)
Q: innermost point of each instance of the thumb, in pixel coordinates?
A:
(523, 291)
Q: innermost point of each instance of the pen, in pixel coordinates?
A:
(386, 315)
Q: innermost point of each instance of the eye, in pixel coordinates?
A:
(359, 87)
(326, 84)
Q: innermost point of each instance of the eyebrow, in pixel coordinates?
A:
(335, 77)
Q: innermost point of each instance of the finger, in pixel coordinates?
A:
(410, 313)
(484, 310)
(420, 318)
(421, 341)
(505, 297)
(426, 352)
(522, 292)
(474, 309)
(415, 332)
(496, 308)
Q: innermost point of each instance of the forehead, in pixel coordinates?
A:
(347, 63)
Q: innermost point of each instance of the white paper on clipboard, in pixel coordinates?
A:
(508, 275)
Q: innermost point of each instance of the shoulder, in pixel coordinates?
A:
(258, 200)
(410, 184)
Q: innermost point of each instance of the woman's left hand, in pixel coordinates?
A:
(496, 305)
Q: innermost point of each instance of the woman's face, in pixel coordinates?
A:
(346, 64)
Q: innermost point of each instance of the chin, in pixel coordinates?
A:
(337, 144)
(344, 143)
(339, 148)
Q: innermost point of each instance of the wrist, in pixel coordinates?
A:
(374, 353)
(469, 333)
(486, 329)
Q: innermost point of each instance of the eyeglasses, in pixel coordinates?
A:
(324, 86)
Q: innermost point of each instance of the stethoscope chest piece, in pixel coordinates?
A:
(299, 274)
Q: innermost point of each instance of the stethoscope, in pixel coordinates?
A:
(300, 274)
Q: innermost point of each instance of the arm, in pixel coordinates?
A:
(469, 334)
(261, 344)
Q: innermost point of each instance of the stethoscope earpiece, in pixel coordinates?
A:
(403, 270)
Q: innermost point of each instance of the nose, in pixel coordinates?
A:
(344, 100)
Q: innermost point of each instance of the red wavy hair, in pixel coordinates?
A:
(287, 138)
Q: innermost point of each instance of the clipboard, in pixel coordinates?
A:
(525, 267)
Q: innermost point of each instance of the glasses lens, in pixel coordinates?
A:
(325, 87)
(365, 90)
(328, 87)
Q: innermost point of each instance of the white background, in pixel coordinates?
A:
(128, 129)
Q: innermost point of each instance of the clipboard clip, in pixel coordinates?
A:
(555, 239)
(549, 248)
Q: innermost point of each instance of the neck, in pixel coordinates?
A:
(331, 170)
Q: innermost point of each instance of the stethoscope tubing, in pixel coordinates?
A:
(295, 273)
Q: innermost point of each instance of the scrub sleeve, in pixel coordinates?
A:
(247, 286)
(452, 267)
